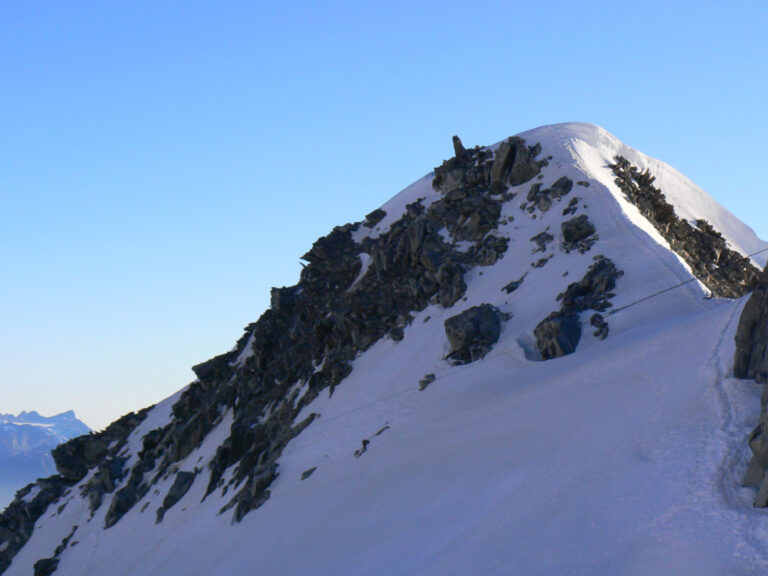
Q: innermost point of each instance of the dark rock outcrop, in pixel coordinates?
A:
(594, 290)
(757, 471)
(751, 361)
(108, 474)
(725, 272)
(426, 381)
(600, 325)
(515, 164)
(473, 333)
(542, 240)
(544, 198)
(578, 234)
(308, 472)
(572, 207)
(74, 458)
(18, 520)
(458, 147)
(558, 336)
(373, 218)
(181, 484)
(751, 357)
(311, 334)
(317, 323)
(559, 333)
(514, 285)
(47, 566)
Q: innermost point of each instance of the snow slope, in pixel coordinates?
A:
(622, 458)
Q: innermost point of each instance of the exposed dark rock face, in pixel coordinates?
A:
(458, 147)
(18, 519)
(73, 461)
(601, 326)
(543, 199)
(559, 333)
(725, 272)
(181, 484)
(48, 566)
(363, 448)
(757, 472)
(74, 458)
(541, 240)
(594, 290)
(373, 218)
(426, 381)
(515, 164)
(573, 205)
(558, 336)
(458, 175)
(104, 480)
(307, 473)
(473, 333)
(751, 361)
(310, 335)
(514, 285)
(578, 234)
(751, 357)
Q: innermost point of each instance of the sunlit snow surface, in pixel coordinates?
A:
(623, 458)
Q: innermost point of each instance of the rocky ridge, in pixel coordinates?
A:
(724, 271)
(355, 290)
(309, 337)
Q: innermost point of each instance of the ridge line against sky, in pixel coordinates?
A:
(163, 165)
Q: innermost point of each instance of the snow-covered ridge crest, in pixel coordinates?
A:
(592, 148)
(395, 400)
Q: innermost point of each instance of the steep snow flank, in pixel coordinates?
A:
(596, 463)
(618, 459)
(593, 148)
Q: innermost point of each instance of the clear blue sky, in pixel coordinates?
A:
(162, 164)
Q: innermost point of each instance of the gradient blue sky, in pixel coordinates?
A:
(162, 164)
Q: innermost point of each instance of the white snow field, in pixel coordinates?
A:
(624, 458)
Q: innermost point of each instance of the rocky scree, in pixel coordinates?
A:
(725, 272)
(303, 344)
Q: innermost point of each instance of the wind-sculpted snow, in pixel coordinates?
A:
(341, 436)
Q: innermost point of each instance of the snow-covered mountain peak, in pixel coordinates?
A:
(592, 148)
(474, 377)
(59, 427)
